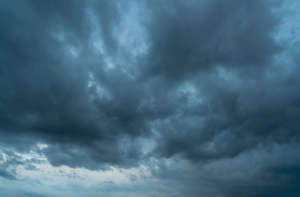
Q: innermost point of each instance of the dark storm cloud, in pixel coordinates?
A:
(49, 97)
(242, 105)
(192, 36)
(278, 178)
(207, 89)
(45, 95)
(234, 118)
(265, 171)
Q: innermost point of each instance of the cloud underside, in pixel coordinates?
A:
(115, 83)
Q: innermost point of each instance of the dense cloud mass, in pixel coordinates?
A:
(208, 89)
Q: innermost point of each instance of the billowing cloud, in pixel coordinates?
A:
(199, 92)
(193, 36)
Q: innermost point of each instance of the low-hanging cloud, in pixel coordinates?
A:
(201, 81)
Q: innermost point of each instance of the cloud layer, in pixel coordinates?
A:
(195, 86)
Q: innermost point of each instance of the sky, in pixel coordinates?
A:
(140, 98)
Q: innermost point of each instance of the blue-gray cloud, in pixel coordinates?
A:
(213, 84)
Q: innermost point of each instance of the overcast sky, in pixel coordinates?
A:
(149, 98)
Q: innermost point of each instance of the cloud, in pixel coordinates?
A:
(205, 83)
(7, 175)
(187, 37)
(47, 89)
